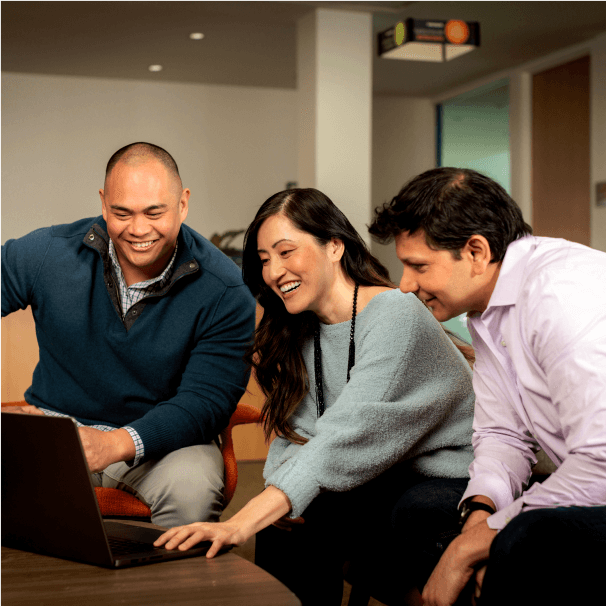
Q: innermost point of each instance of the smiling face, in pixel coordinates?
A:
(144, 208)
(445, 284)
(296, 267)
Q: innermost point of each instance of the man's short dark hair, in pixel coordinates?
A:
(141, 151)
(450, 205)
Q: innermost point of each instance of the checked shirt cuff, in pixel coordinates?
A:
(139, 448)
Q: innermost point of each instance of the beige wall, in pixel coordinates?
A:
(19, 354)
(234, 145)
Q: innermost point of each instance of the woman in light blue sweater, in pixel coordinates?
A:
(368, 395)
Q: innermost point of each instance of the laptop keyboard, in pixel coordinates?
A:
(121, 546)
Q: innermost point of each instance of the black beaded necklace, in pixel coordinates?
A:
(318, 355)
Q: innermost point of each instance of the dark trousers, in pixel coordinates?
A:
(425, 520)
(356, 526)
(548, 556)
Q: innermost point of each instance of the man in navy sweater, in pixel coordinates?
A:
(142, 325)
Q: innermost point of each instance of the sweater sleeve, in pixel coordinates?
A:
(409, 394)
(280, 450)
(211, 385)
(22, 260)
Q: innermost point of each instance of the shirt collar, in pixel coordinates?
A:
(511, 273)
(161, 279)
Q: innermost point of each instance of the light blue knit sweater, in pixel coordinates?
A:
(409, 398)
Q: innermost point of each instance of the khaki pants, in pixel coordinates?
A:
(183, 487)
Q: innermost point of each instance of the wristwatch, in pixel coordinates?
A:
(467, 507)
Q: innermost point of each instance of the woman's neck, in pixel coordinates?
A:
(338, 305)
(341, 305)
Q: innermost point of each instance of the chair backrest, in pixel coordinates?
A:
(244, 414)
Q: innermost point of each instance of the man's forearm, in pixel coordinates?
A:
(473, 546)
(123, 445)
(458, 564)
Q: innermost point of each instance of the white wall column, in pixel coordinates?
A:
(520, 141)
(335, 109)
(598, 139)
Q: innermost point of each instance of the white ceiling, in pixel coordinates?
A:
(254, 43)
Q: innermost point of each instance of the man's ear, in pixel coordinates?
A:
(184, 204)
(103, 211)
(478, 250)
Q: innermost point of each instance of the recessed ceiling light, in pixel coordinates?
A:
(155, 68)
(196, 36)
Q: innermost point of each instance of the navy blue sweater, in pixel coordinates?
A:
(172, 369)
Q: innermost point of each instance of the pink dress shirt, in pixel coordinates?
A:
(540, 379)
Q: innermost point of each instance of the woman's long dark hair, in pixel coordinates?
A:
(276, 354)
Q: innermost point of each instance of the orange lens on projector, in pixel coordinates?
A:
(456, 31)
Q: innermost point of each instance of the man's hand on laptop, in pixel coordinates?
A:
(23, 410)
(102, 448)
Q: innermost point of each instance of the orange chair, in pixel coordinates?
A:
(115, 503)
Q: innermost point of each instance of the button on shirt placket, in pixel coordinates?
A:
(111, 286)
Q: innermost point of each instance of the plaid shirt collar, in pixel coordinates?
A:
(129, 295)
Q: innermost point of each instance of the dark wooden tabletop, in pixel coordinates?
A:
(30, 579)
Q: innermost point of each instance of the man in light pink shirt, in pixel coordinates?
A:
(536, 312)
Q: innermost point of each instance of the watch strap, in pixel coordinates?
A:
(470, 506)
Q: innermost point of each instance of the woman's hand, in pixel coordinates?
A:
(286, 523)
(185, 537)
(271, 505)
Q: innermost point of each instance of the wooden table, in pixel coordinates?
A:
(30, 579)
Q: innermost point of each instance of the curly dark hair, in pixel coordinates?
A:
(450, 205)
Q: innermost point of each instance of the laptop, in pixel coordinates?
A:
(49, 504)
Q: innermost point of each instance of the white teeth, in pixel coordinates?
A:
(289, 287)
(142, 244)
